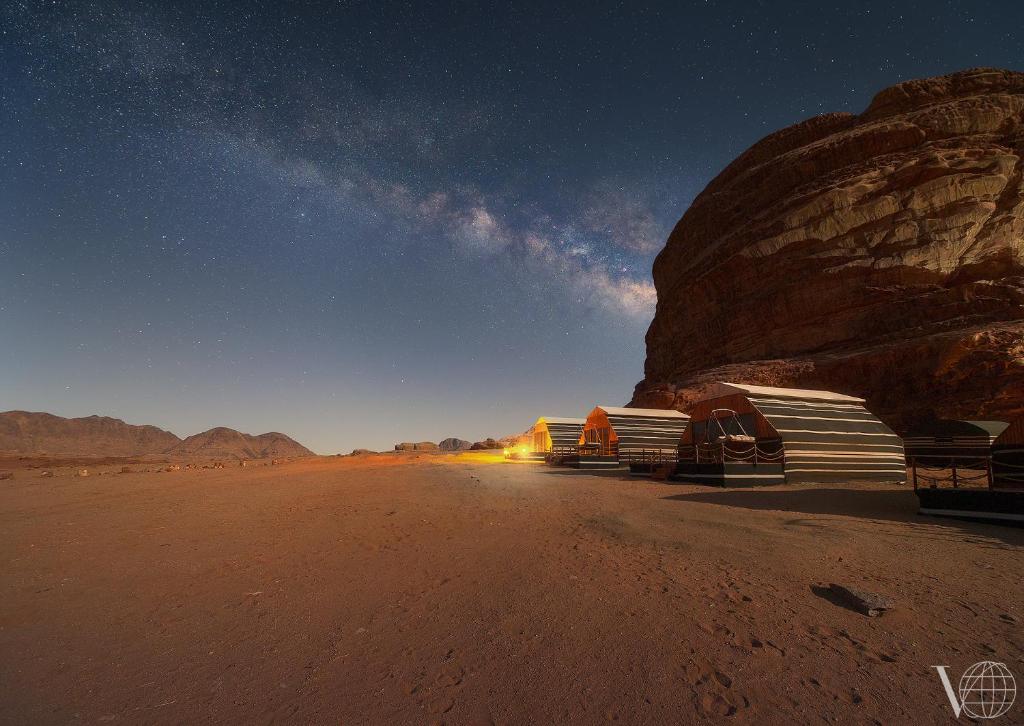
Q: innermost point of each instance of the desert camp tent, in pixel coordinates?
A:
(748, 435)
(613, 435)
(942, 443)
(552, 433)
(1008, 457)
(1001, 501)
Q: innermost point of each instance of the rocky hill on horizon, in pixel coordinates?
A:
(225, 443)
(879, 255)
(27, 432)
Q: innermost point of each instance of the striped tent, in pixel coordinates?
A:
(824, 436)
(941, 443)
(555, 432)
(630, 433)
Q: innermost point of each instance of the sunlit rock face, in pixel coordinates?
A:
(879, 255)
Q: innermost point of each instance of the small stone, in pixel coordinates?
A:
(868, 603)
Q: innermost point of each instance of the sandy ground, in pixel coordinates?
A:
(402, 589)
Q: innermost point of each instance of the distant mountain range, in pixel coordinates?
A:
(25, 432)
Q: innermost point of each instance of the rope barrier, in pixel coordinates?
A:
(954, 473)
(954, 464)
(721, 453)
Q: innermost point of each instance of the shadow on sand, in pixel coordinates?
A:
(569, 471)
(826, 593)
(895, 505)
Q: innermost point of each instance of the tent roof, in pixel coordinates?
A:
(963, 428)
(661, 412)
(724, 389)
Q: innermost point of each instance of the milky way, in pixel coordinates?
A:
(364, 222)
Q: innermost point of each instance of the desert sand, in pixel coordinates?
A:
(459, 589)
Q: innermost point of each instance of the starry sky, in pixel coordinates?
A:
(367, 222)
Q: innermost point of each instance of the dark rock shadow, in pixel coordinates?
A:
(826, 593)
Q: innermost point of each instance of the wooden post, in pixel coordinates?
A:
(956, 484)
(988, 468)
(913, 468)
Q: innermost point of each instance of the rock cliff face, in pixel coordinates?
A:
(879, 255)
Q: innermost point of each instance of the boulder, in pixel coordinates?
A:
(879, 255)
(867, 603)
(363, 452)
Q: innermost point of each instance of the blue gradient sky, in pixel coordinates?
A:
(363, 223)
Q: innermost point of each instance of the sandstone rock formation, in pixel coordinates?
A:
(454, 444)
(418, 446)
(485, 444)
(225, 443)
(879, 254)
(24, 432)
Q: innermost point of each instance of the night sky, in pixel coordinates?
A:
(362, 223)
